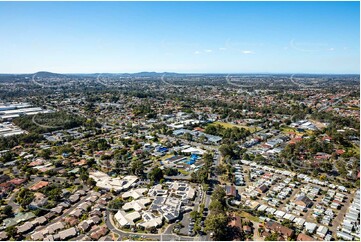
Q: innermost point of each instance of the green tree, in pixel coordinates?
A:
(208, 160)
(226, 150)
(137, 167)
(219, 193)
(8, 211)
(217, 223)
(116, 204)
(156, 174)
(216, 206)
(272, 237)
(90, 182)
(24, 197)
(200, 176)
(45, 153)
(170, 171)
(193, 214)
(11, 231)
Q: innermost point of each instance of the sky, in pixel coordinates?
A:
(184, 37)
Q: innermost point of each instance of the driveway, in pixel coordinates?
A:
(256, 236)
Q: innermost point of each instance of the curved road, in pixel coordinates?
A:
(165, 236)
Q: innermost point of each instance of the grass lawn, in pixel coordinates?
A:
(347, 108)
(184, 172)
(167, 156)
(309, 132)
(318, 124)
(71, 189)
(7, 172)
(127, 230)
(353, 108)
(356, 149)
(252, 129)
(287, 130)
(249, 216)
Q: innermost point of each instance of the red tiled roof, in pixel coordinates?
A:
(304, 237)
(39, 185)
(340, 152)
(36, 163)
(274, 226)
(235, 221)
(17, 181)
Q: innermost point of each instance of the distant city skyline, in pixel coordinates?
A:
(181, 37)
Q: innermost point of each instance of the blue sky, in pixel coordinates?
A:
(193, 37)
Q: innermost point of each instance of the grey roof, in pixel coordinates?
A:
(3, 235)
(304, 199)
(84, 225)
(68, 233)
(27, 226)
(37, 236)
(39, 220)
(54, 227)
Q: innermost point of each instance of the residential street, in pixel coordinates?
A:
(166, 235)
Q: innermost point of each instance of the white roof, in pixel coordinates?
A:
(289, 217)
(194, 151)
(310, 226)
(152, 223)
(137, 205)
(107, 182)
(262, 208)
(271, 210)
(135, 193)
(280, 213)
(299, 221)
(322, 229)
(126, 219)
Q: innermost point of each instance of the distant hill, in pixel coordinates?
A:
(140, 74)
(47, 74)
(151, 74)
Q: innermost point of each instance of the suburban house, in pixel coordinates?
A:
(303, 201)
(304, 237)
(262, 189)
(273, 226)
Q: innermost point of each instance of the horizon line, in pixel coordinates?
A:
(186, 73)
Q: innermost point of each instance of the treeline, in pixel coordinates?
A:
(307, 147)
(145, 110)
(99, 144)
(48, 122)
(233, 133)
(218, 220)
(201, 176)
(12, 141)
(336, 120)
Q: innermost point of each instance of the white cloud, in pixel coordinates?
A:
(197, 52)
(208, 51)
(247, 52)
(331, 49)
(222, 48)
